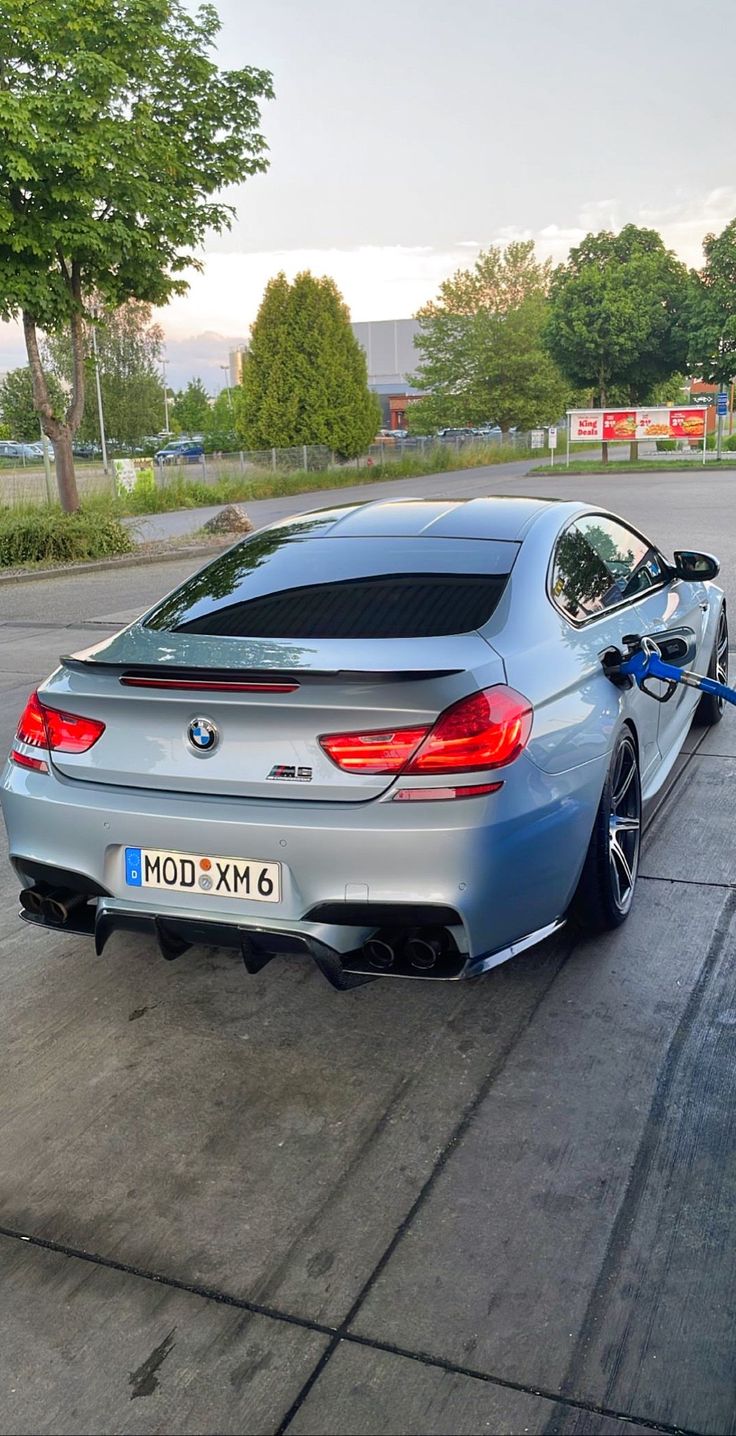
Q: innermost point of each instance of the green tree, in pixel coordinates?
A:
(483, 358)
(129, 348)
(712, 351)
(17, 409)
(220, 429)
(118, 134)
(619, 315)
(190, 411)
(305, 379)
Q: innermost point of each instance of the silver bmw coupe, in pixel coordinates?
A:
(379, 737)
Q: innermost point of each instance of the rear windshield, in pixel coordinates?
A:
(280, 585)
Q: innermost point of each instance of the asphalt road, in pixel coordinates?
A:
(233, 1203)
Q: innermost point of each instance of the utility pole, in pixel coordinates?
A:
(167, 430)
(99, 399)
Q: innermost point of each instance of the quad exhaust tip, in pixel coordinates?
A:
(403, 952)
(381, 954)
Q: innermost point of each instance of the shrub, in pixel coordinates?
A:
(50, 536)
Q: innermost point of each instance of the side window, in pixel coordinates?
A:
(599, 564)
(579, 577)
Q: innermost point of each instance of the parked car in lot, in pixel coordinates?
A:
(181, 451)
(24, 453)
(379, 736)
(489, 431)
(462, 434)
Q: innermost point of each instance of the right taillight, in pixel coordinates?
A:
(485, 730)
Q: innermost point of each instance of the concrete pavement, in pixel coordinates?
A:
(237, 1204)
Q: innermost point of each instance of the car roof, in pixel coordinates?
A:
(489, 517)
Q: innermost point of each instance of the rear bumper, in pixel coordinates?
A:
(505, 866)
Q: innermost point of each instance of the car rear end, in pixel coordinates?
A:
(285, 762)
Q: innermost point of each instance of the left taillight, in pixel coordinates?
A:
(56, 731)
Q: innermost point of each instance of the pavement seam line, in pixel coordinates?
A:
(337, 1334)
(646, 1150)
(683, 882)
(456, 1135)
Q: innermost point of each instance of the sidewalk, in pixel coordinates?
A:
(147, 528)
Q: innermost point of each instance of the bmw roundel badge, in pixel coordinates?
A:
(202, 735)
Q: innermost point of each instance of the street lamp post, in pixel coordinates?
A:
(99, 399)
(226, 370)
(164, 363)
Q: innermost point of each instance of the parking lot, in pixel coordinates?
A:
(233, 1203)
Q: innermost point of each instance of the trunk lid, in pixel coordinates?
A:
(266, 742)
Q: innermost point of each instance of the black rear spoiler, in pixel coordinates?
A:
(147, 673)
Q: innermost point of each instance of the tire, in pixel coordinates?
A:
(607, 883)
(710, 709)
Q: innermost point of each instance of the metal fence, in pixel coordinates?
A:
(26, 484)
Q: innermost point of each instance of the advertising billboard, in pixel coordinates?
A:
(625, 425)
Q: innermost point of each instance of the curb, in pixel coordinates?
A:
(100, 565)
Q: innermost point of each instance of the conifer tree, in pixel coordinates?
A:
(305, 379)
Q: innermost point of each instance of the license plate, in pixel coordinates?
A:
(248, 878)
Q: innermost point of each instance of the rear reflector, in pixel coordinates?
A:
(24, 760)
(378, 752)
(203, 685)
(42, 727)
(435, 795)
(485, 730)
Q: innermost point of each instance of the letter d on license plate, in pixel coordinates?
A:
(200, 874)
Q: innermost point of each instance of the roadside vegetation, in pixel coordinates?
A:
(30, 536)
(179, 492)
(33, 534)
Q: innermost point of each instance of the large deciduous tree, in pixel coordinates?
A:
(481, 346)
(118, 133)
(619, 315)
(305, 379)
(712, 350)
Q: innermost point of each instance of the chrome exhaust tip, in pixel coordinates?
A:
(380, 954)
(423, 952)
(58, 907)
(32, 901)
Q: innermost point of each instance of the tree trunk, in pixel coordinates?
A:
(65, 476)
(56, 430)
(61, 431)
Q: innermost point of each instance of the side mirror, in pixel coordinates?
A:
(695, 567)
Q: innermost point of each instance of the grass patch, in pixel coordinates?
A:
(48, 536)
(644, 466)
(180, 492)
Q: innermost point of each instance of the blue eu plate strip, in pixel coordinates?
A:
(133, 867)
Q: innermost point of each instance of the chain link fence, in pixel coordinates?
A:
(27, 484)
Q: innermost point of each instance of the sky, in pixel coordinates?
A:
(406, 136)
